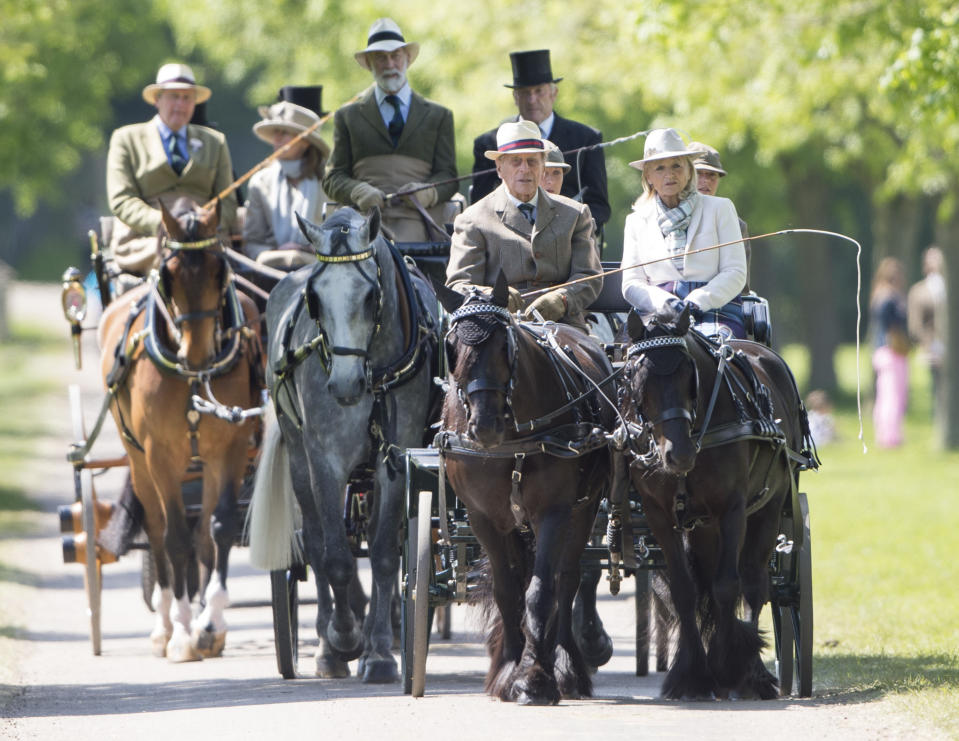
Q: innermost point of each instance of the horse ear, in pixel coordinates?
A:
(373, 222)
(635, 329)
(170, 225)
(683, 320)
(210, 217)
(310, 230)
(500, 296)
(449, 299)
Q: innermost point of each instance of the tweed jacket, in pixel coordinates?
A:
(713, 221)
(359, 132)
(139, 174)
(566, 135)
(493, 235)
(258, 234)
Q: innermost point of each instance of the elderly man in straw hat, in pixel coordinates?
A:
(670, 220)
(291, 184)
(164, 159)
(538, 240)
(393, 140)
(534, 92)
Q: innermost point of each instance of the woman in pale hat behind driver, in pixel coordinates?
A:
(291, 184)
(670, 220)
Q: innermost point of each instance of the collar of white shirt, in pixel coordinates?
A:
(166, 131)
(516, 201)
(546, 127)
(405, 94)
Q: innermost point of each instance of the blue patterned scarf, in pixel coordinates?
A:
(673, 222)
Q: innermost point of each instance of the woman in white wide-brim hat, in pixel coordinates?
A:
(291, 184)
(670, 220)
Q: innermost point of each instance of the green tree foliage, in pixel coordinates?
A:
(62, 62)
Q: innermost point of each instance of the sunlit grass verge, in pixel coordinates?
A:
(886, 556)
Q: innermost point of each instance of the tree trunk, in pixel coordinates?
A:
(948, 422)
(816, 278)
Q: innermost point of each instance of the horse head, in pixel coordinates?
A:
(345, 298)
(193, 278)
(662, 386)
(481, 353)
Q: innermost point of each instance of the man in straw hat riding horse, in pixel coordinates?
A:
(393, 140)
(163, 159)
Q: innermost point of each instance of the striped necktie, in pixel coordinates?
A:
(177, 160)
(396, 123)
(527, 209)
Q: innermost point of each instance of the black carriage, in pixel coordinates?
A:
(441, 554)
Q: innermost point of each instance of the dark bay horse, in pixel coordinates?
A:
(351, 340)
(185, 334)
(718, 435)
(523, 438)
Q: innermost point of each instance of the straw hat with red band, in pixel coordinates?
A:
(175, 77)
(517, 137)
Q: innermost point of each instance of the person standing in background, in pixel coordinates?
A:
(926, 312)
(887, 310)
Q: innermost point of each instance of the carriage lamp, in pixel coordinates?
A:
(74, 301)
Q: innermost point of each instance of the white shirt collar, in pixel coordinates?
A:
(546, 126)
(166, 131)
(404, 94)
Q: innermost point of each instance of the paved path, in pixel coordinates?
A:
(59, 690)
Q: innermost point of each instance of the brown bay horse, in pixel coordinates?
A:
(717, 437)
(183, 342)
(523, 439)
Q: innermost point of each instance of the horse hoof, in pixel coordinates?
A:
(181, 652)
(158, 642)
(380, 671)
(347, 647)
(329, 667)
(208, 644)
(597, 651)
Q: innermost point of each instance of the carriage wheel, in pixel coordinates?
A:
(406, 613)
(88, 498)
(783, 634)
(285, 591)
(148, 577)
(804, 631)
(643, 605)
(425, 573)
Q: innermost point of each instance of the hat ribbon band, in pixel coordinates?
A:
(521, 143)
(188, 80)
(385, 36)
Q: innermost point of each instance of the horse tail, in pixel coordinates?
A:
(272, 516)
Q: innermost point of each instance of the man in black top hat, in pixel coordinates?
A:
(534, 91)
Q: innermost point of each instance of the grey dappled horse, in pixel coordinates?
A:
(349, 371)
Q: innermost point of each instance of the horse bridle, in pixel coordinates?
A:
(174, 247)
(327, 352)
(640, 348)
(483, 382)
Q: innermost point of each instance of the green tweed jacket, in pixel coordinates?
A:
(138, 174)
(359, 132)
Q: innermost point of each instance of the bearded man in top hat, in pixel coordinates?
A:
(393, 140)
(162, 160)
(534, 92)
(538, 240)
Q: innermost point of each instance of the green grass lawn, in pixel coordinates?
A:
(884, 527)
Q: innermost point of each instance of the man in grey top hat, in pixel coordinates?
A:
(393, 140)
(708, 171)
(534, 92)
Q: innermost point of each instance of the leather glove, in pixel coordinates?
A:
(365, 196)
(515, 301)
(551, 306)
(695, 312)
(427, 196)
